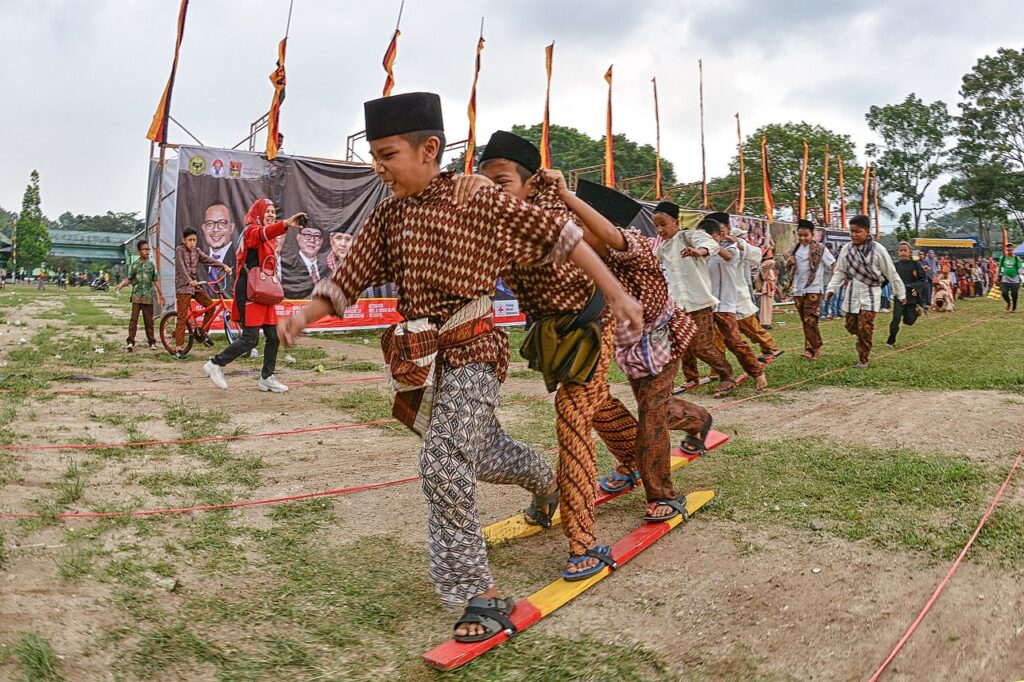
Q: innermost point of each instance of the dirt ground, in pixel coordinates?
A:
(804, 606)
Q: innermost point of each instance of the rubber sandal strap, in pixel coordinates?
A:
(492, 614)
(602, 553)
(678, 504)
(541, 518)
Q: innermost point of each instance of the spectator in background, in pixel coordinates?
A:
(142, 277)
(769, 284)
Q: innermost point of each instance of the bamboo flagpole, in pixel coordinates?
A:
(826, 210)
(741, 202)
(867, 189)
(842, 194)
(158, 128)
(878, 215)
(802, 211)
(657, 142)
(609, 148)
(391, 55)
(471, 109)
(545, 130)
(766, 182)
(703, 154)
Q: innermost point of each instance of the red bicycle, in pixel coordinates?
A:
(195, 330)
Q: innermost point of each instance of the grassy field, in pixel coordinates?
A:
(325, 590)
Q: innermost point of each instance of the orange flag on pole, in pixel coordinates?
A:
(471, 139)
(826, 210)
(158, 128)
(545, 130)
(609, 150)
(766, 182)
(277, 78)
(1006, 239)
(657, 143)
(802, 213)
(842, 194)
(867, 189)
(743, 176)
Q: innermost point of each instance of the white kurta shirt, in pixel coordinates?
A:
(859, 296)
(803, 267)
(724, 275)
(689, 282)
(751, 258)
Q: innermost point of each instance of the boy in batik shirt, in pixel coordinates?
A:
(567, 319)
(142, 277)
(445, 259)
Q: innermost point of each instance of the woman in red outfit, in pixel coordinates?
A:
(257, 249)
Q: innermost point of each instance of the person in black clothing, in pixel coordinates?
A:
(915, 279)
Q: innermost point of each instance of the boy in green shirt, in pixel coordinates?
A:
(1009, 278)
(142, 277)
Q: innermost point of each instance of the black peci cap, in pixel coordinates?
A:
(503, 145)
(619, 209)
(399, 114)
(668, 208)
(720, 217)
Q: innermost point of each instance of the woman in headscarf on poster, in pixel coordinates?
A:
(257, 250)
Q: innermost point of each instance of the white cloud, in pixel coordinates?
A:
(82, 78)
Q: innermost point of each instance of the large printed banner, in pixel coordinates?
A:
(214, 189)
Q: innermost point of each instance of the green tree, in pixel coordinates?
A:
(572, 149)
(7, 219)
(33, 237)
(785, 159)
(990, 132)
(126, 223)
(913, 151)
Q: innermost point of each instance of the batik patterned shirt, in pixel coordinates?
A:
(141, 275)
(442, 257)
(549, 288)
(640, 273)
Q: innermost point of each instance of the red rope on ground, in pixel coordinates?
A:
(179, 389)
(212, 507)
(956, 564)
(183, 441)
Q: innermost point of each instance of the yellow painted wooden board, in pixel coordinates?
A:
(515, 527)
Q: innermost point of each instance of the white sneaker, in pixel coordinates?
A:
(216, 374)
(271, 384)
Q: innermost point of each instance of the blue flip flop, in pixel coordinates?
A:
(603, 554)
(631, 480)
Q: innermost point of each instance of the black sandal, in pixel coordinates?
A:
(536, 517)
(691, 445)
(678, 508)
(490, 612)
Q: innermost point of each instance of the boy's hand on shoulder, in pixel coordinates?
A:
(466, 187)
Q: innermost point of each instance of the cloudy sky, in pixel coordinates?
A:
(82, 77)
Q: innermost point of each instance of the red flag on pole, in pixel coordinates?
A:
(766, 182)
(743, 176)
(826, 210)
(277, 78)
(609, 151)
(842, 194)
(1006, 240)
(545, 131)
(657, 143)
(158, 128)
(471, 139)
(802, 212)
(867, 189)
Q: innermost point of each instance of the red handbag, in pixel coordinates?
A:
(263, 285)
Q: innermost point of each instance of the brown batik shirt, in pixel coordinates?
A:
(550, 288)
(442, 256)
(640, 272)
